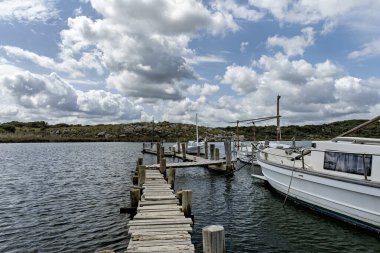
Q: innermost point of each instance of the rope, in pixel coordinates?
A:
(290, 183)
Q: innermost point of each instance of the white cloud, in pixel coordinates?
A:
(42, 95)
(146, 54)
(242, 79)
(243, 46)
(28, 11)
(295, 45)
(368, 50)
(202, 90)
(69, 65)
(239, 11)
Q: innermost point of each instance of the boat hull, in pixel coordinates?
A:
(194, 149)
(358, 204)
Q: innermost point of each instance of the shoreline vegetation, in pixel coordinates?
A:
(40, 131)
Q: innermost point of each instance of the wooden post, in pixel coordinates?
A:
(213, 239)
(162, 152)
(158, 150)
(139, 161)
(142, 174)
(171, 177)
(212, 151)
(198, 150)
(227, 149)
(216, 154)
(206, 150)
(178, 147)
(135, 196)
(163, 165)
(183, 146)
(186, 202)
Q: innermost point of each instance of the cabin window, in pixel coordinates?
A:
(349, 163)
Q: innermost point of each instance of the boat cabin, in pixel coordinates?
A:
(353, 157)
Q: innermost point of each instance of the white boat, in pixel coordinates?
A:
(340, 177)
(247, 152)
(192, 146)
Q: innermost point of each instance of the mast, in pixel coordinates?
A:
(278, 118)
(196, 126)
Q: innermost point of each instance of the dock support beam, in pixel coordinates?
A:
(135, 197)
(158, 150)
(142, 175)
(171, 177)
(162, 165)
(216, 154)
(213, 239)
(212, 151)
(206, 150)
(186, 202)
(183, 146)
(227, 148)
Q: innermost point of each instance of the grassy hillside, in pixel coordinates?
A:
(165, 131)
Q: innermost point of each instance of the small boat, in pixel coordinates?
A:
(340, 177)
(192, 146)
(247, 152)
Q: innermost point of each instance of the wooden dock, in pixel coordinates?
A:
(159, 224)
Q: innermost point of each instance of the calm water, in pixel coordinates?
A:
(65, 197)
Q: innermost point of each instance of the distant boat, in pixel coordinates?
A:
(247, 152)
(340, 178)
(192, 146)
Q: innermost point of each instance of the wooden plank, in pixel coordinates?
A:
(161, 228)
(161, 243)
(158, 207)
(162, 248)
(145, 203)
(160, 222)
(160, 236)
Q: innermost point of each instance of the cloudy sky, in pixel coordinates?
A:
(119, 61)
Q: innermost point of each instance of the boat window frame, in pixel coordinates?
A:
(346, 161)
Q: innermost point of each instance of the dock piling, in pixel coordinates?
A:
(187, 202)
(135, 197)
(171, 177)
(142, 175)
(158, 150)
(213, 239)
(212, 151)
(216, 154)
(183, 146)
(162, 165)
(206, 150)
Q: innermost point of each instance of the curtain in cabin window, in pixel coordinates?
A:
(348, 163)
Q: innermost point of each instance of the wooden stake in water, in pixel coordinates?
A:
(186, 202)
(135, 197)
(212, 151)
(213, 239)
(171, 177)
(142, 175)
(183, 151)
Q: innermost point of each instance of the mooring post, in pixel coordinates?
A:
(162, 152)
(227, 148)
(178, 147)
(183, 146)
(171, 177)
(213, 239)
(158, 150)
(198, 150)
(135, 196)
(206, 150)
(163, 165)
(212, 151)
(216, 154)
(186, 202)
(142, 175)
(139, 161)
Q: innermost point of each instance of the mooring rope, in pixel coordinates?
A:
(290, 183)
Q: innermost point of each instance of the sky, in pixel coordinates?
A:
(122, 61)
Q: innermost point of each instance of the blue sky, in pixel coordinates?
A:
(93, 61)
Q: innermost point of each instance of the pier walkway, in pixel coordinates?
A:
(159, 224)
